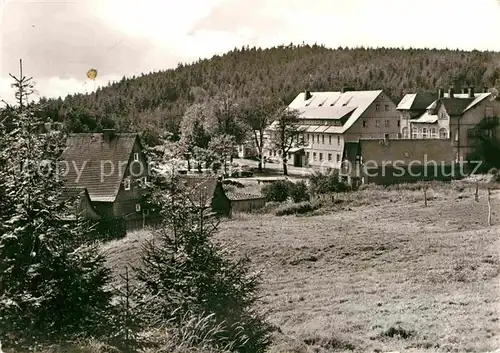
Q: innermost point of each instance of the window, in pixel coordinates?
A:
(456, 135)
(317, 138)
(442, 116)
(414, 133)
(377, 123)
(387, 123)
(321, 157)
(377, 107)
(399, 123)
(338, 140)
(387, 107)
(137, 207)
(126, 184)
(323, 139)
(405, 132)
(314, 156)
(424, 132)
(433, 132)
(329, 157)
(136, 156)
(338, 157)
(330, 139)
(443, 133)
(364, 123)
(307, 138)
(308, 155)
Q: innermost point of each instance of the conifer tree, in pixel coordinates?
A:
(53, 284)
(184, 272)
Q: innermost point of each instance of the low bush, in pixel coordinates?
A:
(282, 190)
(327, 183)
(296, 208)
(278, 191)
(299, 192)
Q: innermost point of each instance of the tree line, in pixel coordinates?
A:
(157, 102)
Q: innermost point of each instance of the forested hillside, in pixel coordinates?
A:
(158, 100)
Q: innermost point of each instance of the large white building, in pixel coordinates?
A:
(328, 120)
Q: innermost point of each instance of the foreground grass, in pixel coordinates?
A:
(378, 272)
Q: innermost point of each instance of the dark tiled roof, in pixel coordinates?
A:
(237, 196)
(422, 100)
(200, 188)
(455, 106)
(88, 152)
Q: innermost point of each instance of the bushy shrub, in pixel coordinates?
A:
(278, 191)
(282, 190)
(495, 173)
(296, 208)
(327, 183)
(299, 192)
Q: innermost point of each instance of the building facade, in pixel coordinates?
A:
(328, 120)
(461, 118)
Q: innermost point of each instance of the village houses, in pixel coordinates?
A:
(329, 120)
(460, 117)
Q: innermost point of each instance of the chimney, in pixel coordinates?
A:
(307, 95)
(347, 89)
(450, 92)
(440, 93)
(108, 134)
(471, 92)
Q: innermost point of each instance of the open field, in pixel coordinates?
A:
(381, 273)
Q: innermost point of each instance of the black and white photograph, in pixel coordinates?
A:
(234, 176)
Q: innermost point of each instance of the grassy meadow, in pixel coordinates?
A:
(373, 271)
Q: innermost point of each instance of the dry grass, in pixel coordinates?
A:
(380, 273)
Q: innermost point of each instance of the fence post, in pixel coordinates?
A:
(489, 206)
(476, 196)
(425, 194)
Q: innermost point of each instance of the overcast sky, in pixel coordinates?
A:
(60, 40)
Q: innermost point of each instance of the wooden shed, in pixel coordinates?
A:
(240, 202)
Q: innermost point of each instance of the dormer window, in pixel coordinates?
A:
(126, 184)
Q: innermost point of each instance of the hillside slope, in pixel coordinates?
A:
(158, 100)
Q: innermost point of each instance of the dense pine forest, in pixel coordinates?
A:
(157, 101)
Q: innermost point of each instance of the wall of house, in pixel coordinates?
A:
(126, 200)
(459, 127)
(324, 149)
(86, 209)
(380, 118)
(247, 205)
(378, 160)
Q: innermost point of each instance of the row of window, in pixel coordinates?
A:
(387, 107)
(387, 123)
(127, 183)
(424, 132)
(310, 137)
(315, 156)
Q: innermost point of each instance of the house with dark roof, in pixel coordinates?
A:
(460, 117)
(330, 119)
(206, 191)
(112, 169)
